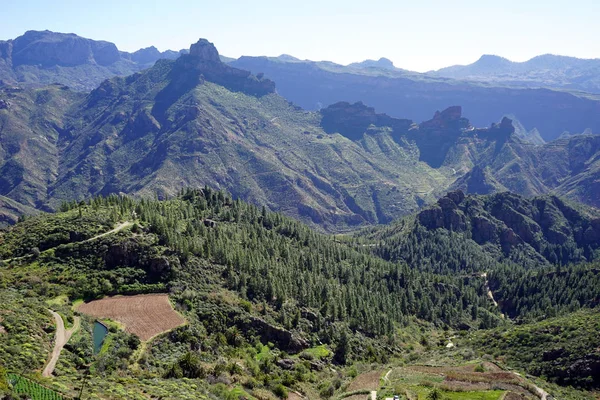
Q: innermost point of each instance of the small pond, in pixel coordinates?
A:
(99, 333)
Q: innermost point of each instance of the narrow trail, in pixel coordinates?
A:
(61, 338)
(116, 229)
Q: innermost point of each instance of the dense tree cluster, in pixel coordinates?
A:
(546, 292)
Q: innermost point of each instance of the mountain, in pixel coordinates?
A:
(546, 70)
(196, 121)
(567, 167)
(404, 94)
(45, 57)
(382, 63)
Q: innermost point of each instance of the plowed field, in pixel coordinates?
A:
(144, 315)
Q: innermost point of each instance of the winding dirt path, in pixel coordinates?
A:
(117, 228)
(61, 338)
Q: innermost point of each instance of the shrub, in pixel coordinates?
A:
(280, 391)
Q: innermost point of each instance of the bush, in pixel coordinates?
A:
(280, 391)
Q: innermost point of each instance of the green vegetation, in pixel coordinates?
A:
(272, 306)
(546, 292)
(34, 391)
(562, 350)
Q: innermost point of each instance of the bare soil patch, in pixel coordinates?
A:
(144, 315)
(366, 381)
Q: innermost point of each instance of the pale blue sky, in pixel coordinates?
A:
(417, 35)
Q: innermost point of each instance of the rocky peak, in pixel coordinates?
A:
(497, 132)
(506, 125)
(205, 51)
(451, 113)
(436, 136)
(204, 64)
(382, 63)
(147, 55)
(490, 61)
(385, 63)
(450, 118)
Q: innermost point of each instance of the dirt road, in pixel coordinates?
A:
(61, 338)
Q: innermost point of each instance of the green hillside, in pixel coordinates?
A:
(271, 306)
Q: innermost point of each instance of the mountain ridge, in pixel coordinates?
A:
(545, 70)
(46, 57)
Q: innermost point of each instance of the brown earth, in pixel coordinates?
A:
(366, 381)
(144, 315)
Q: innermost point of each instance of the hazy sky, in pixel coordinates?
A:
(417, 35)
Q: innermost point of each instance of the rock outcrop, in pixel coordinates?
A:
(509, 220)
(436, 136)
(353, 120)
(271, 333)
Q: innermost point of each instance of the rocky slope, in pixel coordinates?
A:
(478, 233)
(44, 57)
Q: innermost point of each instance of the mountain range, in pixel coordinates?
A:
(197, 121)
(546, 70)
(536, 93)
(402, 94)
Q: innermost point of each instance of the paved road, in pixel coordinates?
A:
(61, 338)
